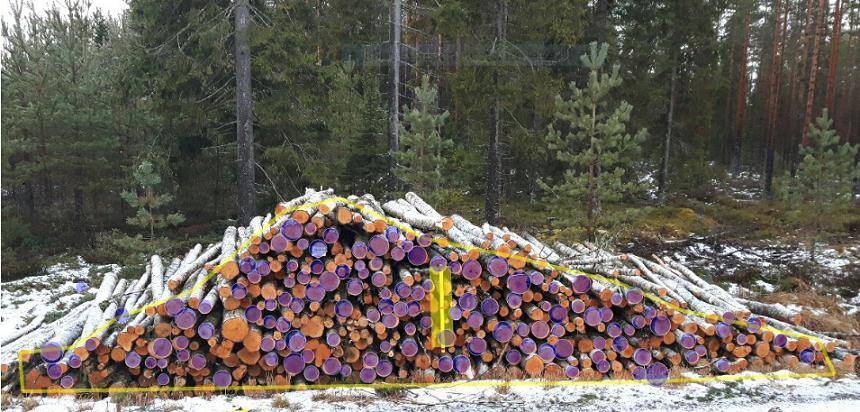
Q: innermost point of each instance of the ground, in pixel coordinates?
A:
(805, 395)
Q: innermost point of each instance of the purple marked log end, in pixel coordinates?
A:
(222, 379)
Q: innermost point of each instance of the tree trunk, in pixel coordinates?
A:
(494, 156)
(833, 62)
(813, 70)
(664, 169)
(796, 116)
(246, 194)
(779, 72)
(773, 96)
(394, 95)
(741, 102)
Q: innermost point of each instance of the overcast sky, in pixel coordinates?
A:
(111, 7)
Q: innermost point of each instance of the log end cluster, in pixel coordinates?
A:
(338, 290)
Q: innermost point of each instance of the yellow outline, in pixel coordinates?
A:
(440, 307)
(445, 242)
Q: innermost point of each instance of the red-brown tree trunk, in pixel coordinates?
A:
(833, 62)
(773, 81)
(740, 103)
(813, 70)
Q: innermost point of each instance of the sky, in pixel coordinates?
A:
(110, 7)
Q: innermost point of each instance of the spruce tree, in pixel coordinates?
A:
(421, 160)
(593, 143)
(821, 191)
(147, 201)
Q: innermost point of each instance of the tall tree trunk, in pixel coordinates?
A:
(494, 155)
(664, 169)
(247, 199)
(394, 95)
(802, 81)
(741, 101)
(775, 108)
(813, 70)
(833, 62)
(773, 95)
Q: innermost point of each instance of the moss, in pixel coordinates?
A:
(671, 222)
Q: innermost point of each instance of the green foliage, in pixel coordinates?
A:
(821, 191)
(594, 143)
(421, 159)
(353, 153)
(117, 247)
(698, 177)
(147, 201)
(86, 96)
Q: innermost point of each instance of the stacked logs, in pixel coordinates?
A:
(339, 291)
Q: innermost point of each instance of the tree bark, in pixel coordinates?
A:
(394, 95)
(494, 157)
(813, 70)
(833, 62)
(246, 194)
(773, 96)
(664, 169)
(741, 101)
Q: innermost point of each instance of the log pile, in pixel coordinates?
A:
(339, 292)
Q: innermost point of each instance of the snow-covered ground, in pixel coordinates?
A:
(807, 394)
(727, 257)
(57, 290)
(834, 270)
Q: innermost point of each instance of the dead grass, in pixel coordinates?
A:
(123, 399)
(828, 316)
(5, 400)
(281, 402)
(28, 404)
(329, 397)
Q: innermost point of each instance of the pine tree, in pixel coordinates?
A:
(821, 191)
(148, 201)
(595, 146)
(420, 161)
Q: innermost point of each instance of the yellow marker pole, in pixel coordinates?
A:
(442, 331)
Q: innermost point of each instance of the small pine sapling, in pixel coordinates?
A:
(821, 192)
(147, 201)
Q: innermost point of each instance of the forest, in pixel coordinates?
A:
(604, 119)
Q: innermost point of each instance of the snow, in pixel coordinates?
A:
(764, 286)
(727, 258)
(806, 394)
(56, 290)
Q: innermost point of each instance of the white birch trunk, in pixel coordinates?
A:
(191, 265)
(422, 206)
(228, 243)
(106, 289)
(413, 217)
(157, 283)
